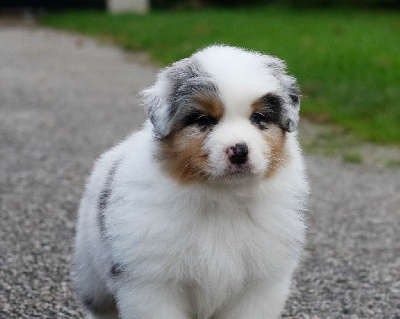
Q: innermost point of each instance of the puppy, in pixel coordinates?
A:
(199, 215)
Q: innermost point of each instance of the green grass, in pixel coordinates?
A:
(347, 61)
(354, 158)
(393, 164)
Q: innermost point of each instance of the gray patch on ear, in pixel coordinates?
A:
(291, 93)
(172, 96)
(154, 104)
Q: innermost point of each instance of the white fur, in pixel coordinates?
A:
(239, 83)
(212, 249)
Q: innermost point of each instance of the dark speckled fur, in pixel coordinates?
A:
(105, 194)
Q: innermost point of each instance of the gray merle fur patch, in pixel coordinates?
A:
(187, 81)
(105, 194)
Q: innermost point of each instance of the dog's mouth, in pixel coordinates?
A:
(238, 170)
(242, 174)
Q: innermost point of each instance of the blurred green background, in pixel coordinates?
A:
(346, 54)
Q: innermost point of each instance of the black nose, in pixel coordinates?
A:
(238, 154)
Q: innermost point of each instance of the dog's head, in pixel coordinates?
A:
(223, 114)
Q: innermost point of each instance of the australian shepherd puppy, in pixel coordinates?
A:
(199, 215)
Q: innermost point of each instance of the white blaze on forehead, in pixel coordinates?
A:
(241, 76)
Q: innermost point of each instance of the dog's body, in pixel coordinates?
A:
(199, 214)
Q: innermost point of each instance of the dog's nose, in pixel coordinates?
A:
(238, 154)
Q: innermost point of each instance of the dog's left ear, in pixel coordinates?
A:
(289, 119)
(290, 115)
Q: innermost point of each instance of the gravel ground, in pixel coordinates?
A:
(64, 100)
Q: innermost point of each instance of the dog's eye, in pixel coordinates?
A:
(256, 118)
(206, 121)
(202, 120)
(260, 120)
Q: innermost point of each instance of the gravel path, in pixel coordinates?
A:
(64, 100)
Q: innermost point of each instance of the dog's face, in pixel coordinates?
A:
(223, 115)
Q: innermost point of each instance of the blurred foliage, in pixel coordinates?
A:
(346, 60)
(362, 3)
(196, 4)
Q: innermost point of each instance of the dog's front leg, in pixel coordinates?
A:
(152, 300)
(260, 300)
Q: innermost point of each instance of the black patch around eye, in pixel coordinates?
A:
(272, 100)
(200, 119)
(272, 107)
(206, 121)
(191, 118)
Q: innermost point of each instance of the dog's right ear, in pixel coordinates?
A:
(172, 95)
(155, 102)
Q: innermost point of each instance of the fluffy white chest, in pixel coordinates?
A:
(228, 247)
(212, 249)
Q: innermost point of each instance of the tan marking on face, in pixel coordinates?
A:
(211, 105)
(275, 137)
(256, 106)
(182, 155)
